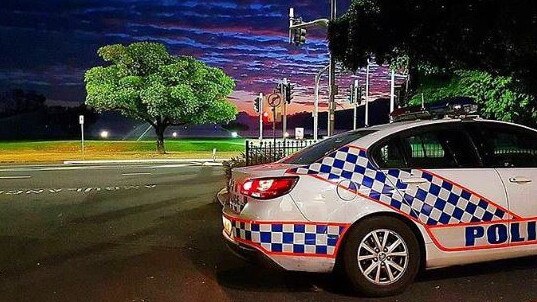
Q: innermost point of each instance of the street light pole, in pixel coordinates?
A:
(355, 105)
(316, 102)
(332, 79)
(367, 94)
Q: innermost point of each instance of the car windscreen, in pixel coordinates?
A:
(314, 152)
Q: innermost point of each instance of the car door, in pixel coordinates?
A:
(512, 151)
(443, 184)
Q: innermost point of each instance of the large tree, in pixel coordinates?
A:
(495, 36)
(144, 81)
(497, 96)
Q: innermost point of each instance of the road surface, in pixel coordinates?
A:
(152, 233)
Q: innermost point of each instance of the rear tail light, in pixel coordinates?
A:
(268, 188)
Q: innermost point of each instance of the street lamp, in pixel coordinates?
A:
(316, 103)
(104, 134)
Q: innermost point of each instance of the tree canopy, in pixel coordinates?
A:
(144, 81)
(495, 36)
(497, 96)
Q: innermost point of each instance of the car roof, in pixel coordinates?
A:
(382, 131)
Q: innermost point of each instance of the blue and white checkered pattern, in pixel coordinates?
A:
(301, 239)
(435, 202)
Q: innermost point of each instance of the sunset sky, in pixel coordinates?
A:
(46, 46)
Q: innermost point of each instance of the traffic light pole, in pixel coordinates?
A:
(261, 116)
(297, 23)
(332, 80)
(284, 108)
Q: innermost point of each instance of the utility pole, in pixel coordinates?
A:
(261, 116)
(284, 108)
(316, 102)
(332, 79)
(367, 94)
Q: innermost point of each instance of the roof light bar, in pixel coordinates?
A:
(436, 111)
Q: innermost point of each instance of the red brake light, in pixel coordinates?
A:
(268, 188)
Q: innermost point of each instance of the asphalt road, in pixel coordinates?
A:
(152, 233)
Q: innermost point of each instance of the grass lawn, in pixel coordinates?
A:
(57, 151)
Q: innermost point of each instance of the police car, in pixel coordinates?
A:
(386, 201)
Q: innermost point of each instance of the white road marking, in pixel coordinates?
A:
(15, 177)
(41, 169)
(169, 166)
(78, 190)
(136, 174)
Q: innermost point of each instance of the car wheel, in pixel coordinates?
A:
(381, 256)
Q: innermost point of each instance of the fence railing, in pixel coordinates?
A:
(264, 152)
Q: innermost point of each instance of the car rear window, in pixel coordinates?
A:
(314, 152)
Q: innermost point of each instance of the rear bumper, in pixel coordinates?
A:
(249, 254)
(294, 246)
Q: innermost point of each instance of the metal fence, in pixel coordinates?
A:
(264, 152)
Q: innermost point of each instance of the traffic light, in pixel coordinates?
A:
(298, 34)
(257, 104)
(352, 96)
(355, 93)
(361, 95)
(289, 93)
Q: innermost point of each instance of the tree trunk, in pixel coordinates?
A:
(159, 130)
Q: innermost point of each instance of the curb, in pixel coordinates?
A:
(205, 162)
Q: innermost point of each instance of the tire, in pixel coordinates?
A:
(382, 270)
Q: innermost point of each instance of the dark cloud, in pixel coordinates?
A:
(47, 45)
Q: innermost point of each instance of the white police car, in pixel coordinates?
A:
(388, 200)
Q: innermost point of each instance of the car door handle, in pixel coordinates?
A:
(414, 181)
(519, 180)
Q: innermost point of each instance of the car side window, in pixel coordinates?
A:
(426, 151)
(314, 152)
(506, 146)
(461, 147)
(388, 155)
(440, 149)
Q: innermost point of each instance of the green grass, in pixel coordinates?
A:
(172, 145)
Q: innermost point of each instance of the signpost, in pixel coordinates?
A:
(274, 100)
(81, 122)
(299, 133)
